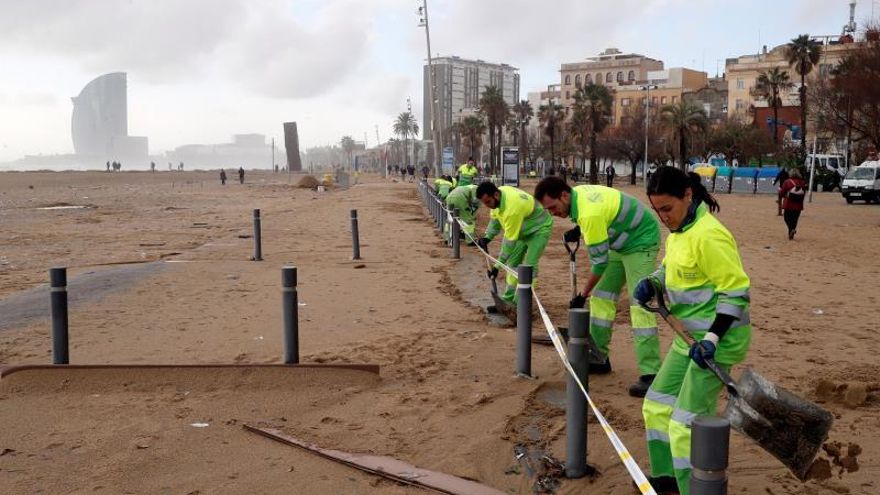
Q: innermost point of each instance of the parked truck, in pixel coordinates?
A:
(862, 183)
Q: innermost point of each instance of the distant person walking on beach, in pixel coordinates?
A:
(780, 179)
(791, 197)
(609, 175)
(222, 177)
(411, 172)
(153, 167)
(425, 171)
(241, 175)
(108, 165)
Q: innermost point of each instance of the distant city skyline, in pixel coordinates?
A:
(199, 72)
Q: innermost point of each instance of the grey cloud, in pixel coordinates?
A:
(283, 58)
(160, 39)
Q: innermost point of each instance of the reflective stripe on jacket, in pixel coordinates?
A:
(611, 220)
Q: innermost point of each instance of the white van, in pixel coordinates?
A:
(830, 170)
(862, 183)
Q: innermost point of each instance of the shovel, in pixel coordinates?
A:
(788, 427)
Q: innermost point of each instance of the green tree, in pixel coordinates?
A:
(496, 111)
(473, 129)
(594, 102)
(406, 126)
(347, 144)
(522, 114)
(769, 86)
(803, 53)
(685, 120)
(551, 117)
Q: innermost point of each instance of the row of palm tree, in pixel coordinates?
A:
(405, 125)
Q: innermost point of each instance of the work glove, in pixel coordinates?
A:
(572, 235)
(704, 350)
(493, 273)
(645, 291)
(577, 302)
(484, 244)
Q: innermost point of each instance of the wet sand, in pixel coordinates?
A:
(446, 399)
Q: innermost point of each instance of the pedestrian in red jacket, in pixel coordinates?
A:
(792, 194)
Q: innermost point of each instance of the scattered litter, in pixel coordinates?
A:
(359, 265)
(303, 304)
(258, 337)
(818, 312)
(199, 425)
(244, 236)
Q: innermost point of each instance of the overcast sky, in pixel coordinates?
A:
(202, 70)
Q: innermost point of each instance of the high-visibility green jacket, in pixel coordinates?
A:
(612, 220)
(442, 186)
(519, 214)
(466, 174)
(465, 195)
(703, 276)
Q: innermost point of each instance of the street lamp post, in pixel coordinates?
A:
(647, 88)
(436, 132)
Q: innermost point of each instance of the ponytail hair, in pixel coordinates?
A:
(674, 182)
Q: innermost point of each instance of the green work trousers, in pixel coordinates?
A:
(680, 392)
(626, 269)
(527, 250)
(464, 212)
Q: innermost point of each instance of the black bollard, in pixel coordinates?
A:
(710, 443)
(576, 403)
(524, 321)
(456, 235)
(258, 238)
(290, 303)
(355, 236)
(58, 301)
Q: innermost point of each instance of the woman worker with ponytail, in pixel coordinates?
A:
(707, 290)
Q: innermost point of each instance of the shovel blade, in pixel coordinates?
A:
(799, 427)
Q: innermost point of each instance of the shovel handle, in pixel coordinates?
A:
(681, 331)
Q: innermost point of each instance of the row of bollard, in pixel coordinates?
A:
(59, 314)
(710, 435)
(58, 309)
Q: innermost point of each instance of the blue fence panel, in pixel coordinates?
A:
(765, 179)
(744, 180)
(722, 179)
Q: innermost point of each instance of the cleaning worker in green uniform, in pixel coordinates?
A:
(622, 239)
(527, 227)
(707, 290)
(467, 172)
(465, 199)
(443, 185)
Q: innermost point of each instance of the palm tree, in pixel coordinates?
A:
(580, 129)
(473, 129)
(496, 110)
(769, 86)
(406, 125)
(395, 143)
(595, 101)
(347, 144)
(684, 119)
(522, 114)
(803, 53)
(551, 117)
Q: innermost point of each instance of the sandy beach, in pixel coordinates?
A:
(445, 398)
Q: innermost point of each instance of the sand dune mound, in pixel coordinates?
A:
(308, 182)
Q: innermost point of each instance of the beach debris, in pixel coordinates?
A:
(199, 425)
(386, 467)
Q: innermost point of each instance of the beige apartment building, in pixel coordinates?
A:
(610, 68)
(743, 71)
(667, 88)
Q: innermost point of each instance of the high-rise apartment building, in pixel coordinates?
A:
(459, 83)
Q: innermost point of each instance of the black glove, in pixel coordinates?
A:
(572, 235)
(645, 291)
(702, 351)
(493, 273)
(484, 244)
(577, 302)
